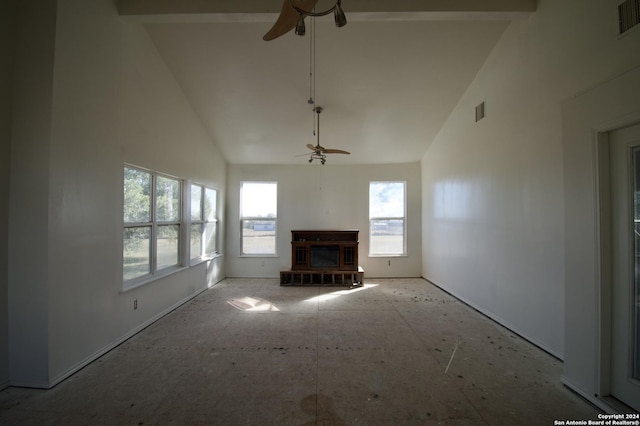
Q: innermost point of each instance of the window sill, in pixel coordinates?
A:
(203, 259)
(388, 255)
(259, 255)
(151, 278)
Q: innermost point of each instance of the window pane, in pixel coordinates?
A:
(386, 199)
(387, 236)
(210, 204)
(167, 246)
(210, 237)
(259, 199)
(196, 241)
(136, 252)
(196, 202)
(386, 212)
(167, 199)
(137, 196)
(258, 236)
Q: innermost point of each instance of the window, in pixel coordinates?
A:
(204, 221)
(387, 223)
(152, 224)
(258, 212)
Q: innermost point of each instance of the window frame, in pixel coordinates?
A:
(258, 218)
(203, 221)
(154, 223)
(403, 218)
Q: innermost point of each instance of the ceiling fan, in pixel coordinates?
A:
(293, 13)
(318, 151)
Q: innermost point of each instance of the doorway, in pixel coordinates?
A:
(624, 369)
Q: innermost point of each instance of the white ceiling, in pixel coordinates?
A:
(387, 80)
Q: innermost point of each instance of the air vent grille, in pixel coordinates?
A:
(479, 112)
(628, 15)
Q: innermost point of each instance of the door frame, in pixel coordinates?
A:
(604, 290)
(604, 262)
(587, 115)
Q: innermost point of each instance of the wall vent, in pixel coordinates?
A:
(480, 112)
(628, 15)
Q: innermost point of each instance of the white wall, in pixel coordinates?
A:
(493, 197)
(28, 259)
(7, 28)
(313, 196)
(112, 101)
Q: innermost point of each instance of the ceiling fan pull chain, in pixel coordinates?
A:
(315, 123)
(319, 110)
(312, 64)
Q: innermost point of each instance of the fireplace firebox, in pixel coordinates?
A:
(324, 256)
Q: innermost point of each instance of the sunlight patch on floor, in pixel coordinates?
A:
(336, 294)
(253, 304)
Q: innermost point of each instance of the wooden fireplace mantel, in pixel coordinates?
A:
(323, 257)
(345, 242)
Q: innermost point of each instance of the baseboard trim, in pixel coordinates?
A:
(499, 321)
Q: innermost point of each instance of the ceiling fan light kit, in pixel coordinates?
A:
(294, 12)
(300, 27)
(338, 15)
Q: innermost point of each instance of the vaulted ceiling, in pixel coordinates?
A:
(387, 81)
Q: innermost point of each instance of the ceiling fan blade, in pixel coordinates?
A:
(288, 18)
(311, 147)
(335, 151)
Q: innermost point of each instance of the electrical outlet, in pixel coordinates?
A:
(135, 304)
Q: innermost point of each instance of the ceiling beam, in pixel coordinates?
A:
(159, 8)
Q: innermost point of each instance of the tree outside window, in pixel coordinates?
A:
(204, 222)
(152, 220)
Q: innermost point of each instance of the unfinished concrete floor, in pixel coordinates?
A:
(395, 352)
